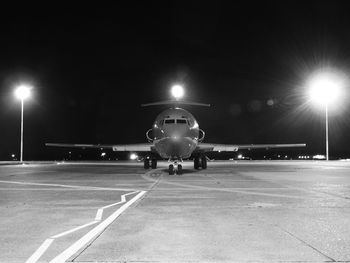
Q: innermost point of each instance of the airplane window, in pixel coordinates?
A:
(169, 121)
(181, 121)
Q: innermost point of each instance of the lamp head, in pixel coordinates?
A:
(325, 87)
(177, 91)
(22, 92)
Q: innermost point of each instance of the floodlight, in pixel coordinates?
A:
(177, 91)
(325, 88)
(22, 92)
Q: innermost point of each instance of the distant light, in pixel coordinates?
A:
(239, 156)
(319, 157)
(177, 91)
(325, 87)
(22, 92)
(133, 156)
(13, 155)
(103, 154)
(270, 102)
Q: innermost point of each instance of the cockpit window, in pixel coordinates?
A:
(169, 121)
(181, 121)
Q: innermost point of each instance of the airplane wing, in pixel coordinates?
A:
(139, 147)
(211, 147)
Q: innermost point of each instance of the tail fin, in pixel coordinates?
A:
(175, 103)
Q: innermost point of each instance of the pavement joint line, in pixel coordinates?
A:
(310, 190)
(70, 251)
(287, 186)
(46, 244)
(307, 244)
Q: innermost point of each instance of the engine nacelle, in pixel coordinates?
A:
(149, 138)
(201, 135)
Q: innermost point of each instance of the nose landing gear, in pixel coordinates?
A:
(175, 168)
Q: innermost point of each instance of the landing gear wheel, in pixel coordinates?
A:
(154, 163)
(146, 163)
(171, 169)
(196, 163)
(179, 169)
(204, 162)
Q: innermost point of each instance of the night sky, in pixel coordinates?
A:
(92, 67)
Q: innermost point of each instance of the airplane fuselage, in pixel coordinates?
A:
(175, 134)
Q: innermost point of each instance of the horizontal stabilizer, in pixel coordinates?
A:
(175, 103)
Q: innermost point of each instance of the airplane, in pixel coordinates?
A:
(175, 135)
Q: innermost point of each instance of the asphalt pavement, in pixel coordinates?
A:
(247, 211)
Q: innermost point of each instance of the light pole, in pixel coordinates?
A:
(324, 88)
(22, 92)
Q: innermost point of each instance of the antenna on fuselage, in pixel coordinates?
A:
(177, 91)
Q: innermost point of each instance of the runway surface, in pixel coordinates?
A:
(260, 211)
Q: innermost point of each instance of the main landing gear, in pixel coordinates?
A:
(175, 168)
(147, 163)
(200, 162)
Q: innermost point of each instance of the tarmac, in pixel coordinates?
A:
(234, 211)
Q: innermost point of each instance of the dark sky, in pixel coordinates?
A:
(92, 67)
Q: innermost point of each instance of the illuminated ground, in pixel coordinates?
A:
(246, 211)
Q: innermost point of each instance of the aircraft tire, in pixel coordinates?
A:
(204, 162)
(179, 169)
(146, 164)
(154, 163)
(171, 169)
(196, 163)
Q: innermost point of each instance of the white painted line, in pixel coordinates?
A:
(74, 229)
(123, 200)
(68, 186)
(65, 255)
(40, 251)
(99, 213)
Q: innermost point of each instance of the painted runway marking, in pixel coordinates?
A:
(74, 229)
(65, 255)
(40, 251)
(90, 235)
(68, 186)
